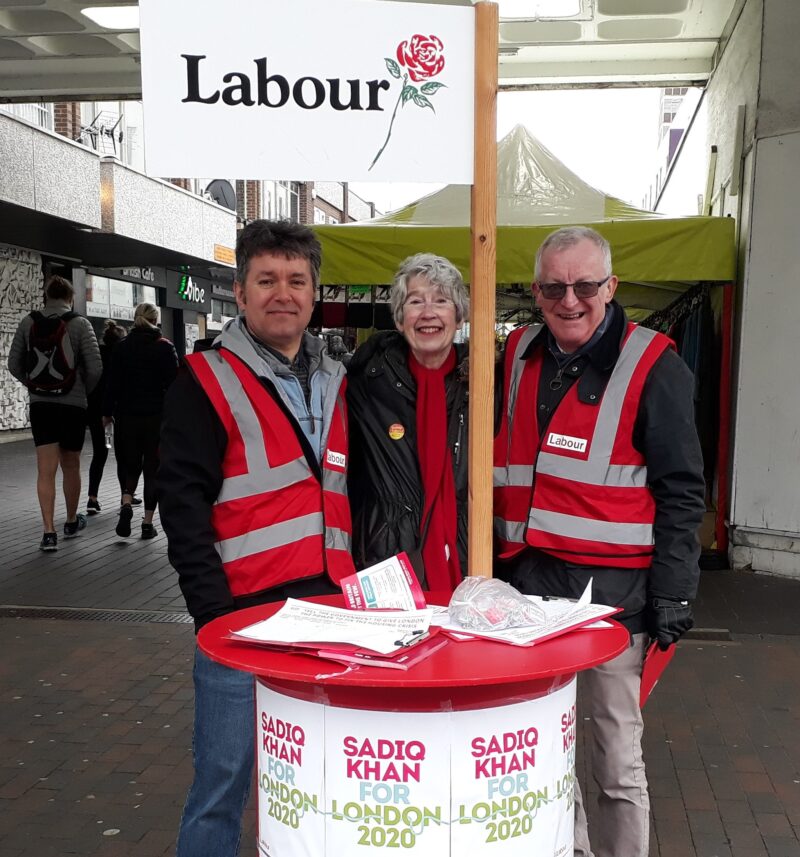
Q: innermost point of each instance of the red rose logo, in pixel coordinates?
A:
(422, 56)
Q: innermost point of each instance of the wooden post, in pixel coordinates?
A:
(482, 291)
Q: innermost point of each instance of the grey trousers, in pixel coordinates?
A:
(621, 827)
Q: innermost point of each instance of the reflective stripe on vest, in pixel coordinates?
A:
(558, 527)
(587, 529)
(597, 469)
(259, 472)
(267, 538)
(262, 480)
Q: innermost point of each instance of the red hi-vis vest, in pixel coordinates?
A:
(273, 521)
(580, 493)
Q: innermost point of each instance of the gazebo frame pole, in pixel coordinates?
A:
(482, 291)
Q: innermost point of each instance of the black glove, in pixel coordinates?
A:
(668, 620)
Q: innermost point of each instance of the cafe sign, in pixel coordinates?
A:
(373, 91)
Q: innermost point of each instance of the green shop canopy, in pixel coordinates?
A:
(655, 257)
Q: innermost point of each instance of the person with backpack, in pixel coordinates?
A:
(55, 354)
(143, 365)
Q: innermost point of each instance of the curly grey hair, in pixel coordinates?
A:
(439, 272)
(568, 236)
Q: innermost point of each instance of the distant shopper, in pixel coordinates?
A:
(407, 402)
(55, 354)
(143, 365)
(112, 334)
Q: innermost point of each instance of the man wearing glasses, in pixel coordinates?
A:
(598, 477)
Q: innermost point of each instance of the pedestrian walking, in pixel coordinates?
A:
(98, 433)
(55, 354)
(143, 365)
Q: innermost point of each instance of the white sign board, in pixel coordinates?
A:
(291, 774)
(513, 772)
(493, 782)
(308, 90)
(386, 782)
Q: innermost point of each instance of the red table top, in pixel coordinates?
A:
(457, 664)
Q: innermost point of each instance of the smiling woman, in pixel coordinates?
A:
(407, 400)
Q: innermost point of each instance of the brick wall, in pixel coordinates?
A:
(253, 200)
(67, 119)
(248, 199)
(306, 203)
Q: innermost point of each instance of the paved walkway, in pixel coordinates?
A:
(96, 705)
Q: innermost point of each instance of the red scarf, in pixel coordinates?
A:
(442, 574)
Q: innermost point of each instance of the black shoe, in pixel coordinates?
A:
(72, 529)
(49, 542)
(93, 507)
(136, 501)
(148, 531)
(124, 524)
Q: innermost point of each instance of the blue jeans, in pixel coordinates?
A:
(223, 753)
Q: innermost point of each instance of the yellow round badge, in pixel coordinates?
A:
(396, 431)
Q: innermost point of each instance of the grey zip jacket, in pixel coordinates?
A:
(84, 344)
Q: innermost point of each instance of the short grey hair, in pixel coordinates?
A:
(569, 236)
(440, 273)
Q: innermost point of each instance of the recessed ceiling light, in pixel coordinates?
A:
(114, 17)
(541, 9)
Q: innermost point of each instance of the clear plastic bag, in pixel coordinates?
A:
(489, 604)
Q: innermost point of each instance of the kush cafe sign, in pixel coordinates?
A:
(341, 90)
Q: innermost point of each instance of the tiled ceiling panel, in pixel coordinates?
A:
(10, 49)
(640, 8)
(50, 50)
(640, 30)
(75, 45)
(35, 21)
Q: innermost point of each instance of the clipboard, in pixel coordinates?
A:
(655, 662)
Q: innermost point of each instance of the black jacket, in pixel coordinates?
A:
(97, 396)
(143, 365)
(384, 481)
(666, 436)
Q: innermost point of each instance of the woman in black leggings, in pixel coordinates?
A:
(94, 420)
(143, 365)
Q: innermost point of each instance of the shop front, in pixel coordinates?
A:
(114, 293)
(223, 307)
(188, 299)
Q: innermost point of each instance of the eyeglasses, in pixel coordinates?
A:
(416, 304)
(582, 289)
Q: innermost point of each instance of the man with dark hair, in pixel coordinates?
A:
(599, 478)
(267, 398)
(55, 354)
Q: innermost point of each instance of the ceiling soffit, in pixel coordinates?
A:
(50, 50)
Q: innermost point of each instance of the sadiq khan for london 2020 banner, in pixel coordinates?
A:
(342, 90)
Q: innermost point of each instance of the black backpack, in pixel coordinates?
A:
(50, 363)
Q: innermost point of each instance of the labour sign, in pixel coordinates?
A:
(341, 90)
